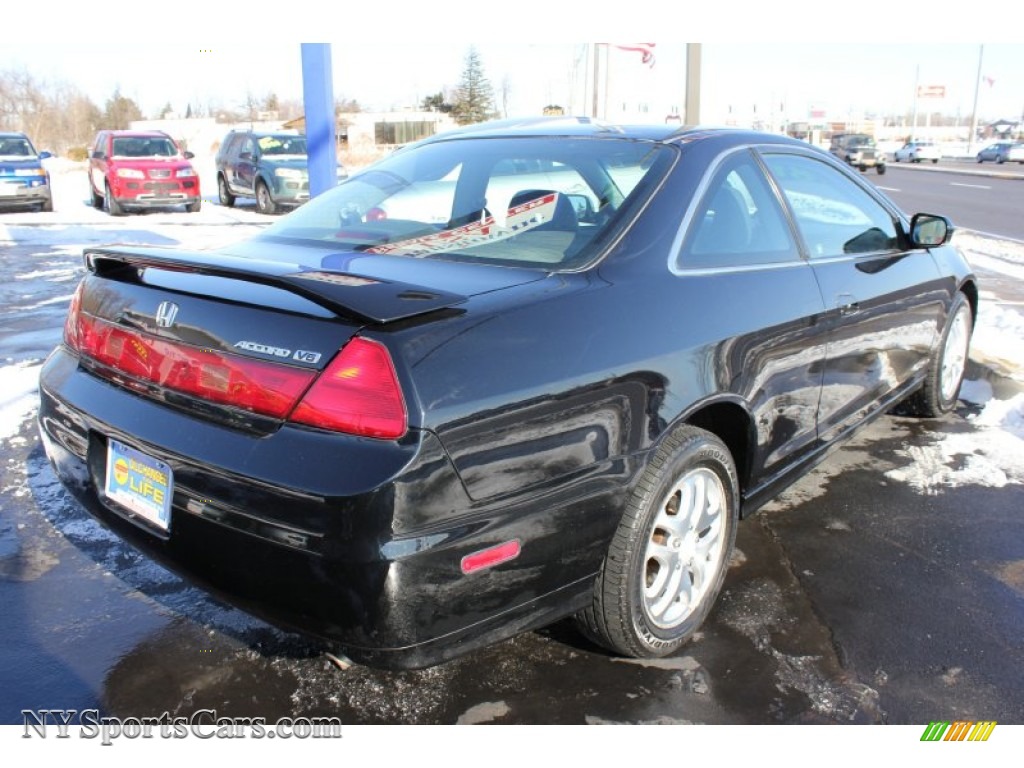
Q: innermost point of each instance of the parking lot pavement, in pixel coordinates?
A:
(886, 586)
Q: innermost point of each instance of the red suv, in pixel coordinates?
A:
(131, 170)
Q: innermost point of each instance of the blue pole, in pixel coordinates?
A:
(318, 100)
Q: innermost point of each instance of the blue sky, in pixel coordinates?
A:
(757, 54)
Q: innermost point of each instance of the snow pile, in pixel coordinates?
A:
(999, 339)
(992, 456)
(19, 384)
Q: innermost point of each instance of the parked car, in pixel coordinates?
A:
(859, 150)
(1002, 151)
(271, 167)
(24, 181)
(412, 433)
(133, 170)
(916, 151)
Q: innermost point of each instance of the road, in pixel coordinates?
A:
(988, 198)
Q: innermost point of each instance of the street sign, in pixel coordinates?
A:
(931, 91)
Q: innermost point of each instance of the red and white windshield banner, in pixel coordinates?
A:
(520, 218)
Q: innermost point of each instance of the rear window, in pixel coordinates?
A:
(538, 202)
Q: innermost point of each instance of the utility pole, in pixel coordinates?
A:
(692, 107)
(974, 112)
(917, 87)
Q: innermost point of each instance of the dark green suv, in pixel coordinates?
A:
(270, 167)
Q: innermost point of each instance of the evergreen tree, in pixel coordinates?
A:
(474, 98)
(120, 112)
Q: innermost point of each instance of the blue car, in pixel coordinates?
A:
(24, 181)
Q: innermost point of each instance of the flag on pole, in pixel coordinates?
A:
(646, 51)
(989, 80)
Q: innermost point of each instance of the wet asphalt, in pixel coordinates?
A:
(852, 598)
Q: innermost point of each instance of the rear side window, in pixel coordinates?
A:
(739, 221)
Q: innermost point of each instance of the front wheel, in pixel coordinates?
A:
(941, 387)
(880, 169)
(113, 207)
(223, 193)
(667, 561)
(264, 202)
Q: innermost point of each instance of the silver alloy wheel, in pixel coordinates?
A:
(954, 355)
(686, 547)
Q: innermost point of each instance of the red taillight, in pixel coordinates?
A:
(264, 388)
(358, 393)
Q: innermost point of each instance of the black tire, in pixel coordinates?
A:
(862, 168)
(895, 158)
(194, 207)
(264, 202)
(97, 198)
(934, 160)
(980, 160)
(638, 608)
(880, 169)
(941, 388)
(110, 202)
(47, 206)
(223, 193)
(1000, 160)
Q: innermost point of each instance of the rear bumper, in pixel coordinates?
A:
(356, 541)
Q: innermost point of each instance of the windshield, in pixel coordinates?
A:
(282, 145)
(524, 201)
(16, 148)
(861, 141)
(142, 146)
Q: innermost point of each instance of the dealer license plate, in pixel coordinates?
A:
(139, 483)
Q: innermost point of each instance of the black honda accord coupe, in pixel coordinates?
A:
(509, 374)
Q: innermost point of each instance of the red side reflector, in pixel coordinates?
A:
(488, 558)
(263, 388)
(357, 393)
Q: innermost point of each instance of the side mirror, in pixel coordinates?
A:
(97, 155)
(188, 155)
(245, 155)
(583, 206)
(929, 231)
(45, 155)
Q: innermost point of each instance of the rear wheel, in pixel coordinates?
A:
(880, 169)
(668, 559)
(194, 207)
(97, 198)
(264, 202)
(941, 388)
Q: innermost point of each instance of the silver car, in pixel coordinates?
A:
(1003, 151)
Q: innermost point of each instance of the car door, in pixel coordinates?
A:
(98, 162)
(245, 166)
(885, 299)
(746, 277)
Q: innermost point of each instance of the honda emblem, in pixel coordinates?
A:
(166, 313)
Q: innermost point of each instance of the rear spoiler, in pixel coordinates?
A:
(360, 298)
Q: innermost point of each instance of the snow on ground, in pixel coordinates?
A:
(19, 385)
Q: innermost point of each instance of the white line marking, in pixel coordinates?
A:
(888, 189)
(973, 186)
